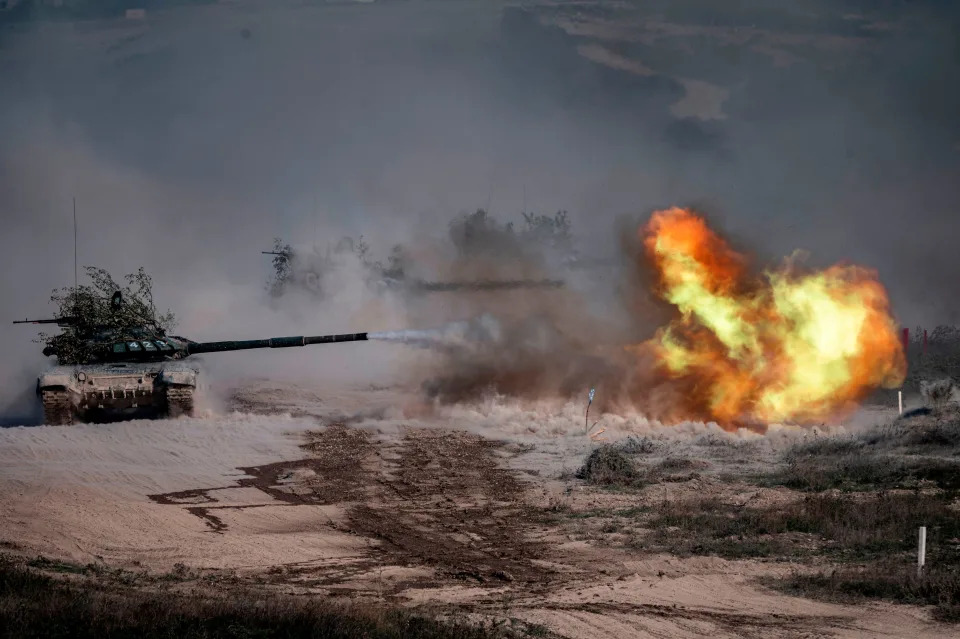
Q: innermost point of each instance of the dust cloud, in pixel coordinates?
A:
(193, 138)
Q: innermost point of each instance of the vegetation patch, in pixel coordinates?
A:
(609, 466)
(938, 586)
(638, 445)
(35, 605)
(843, 526)
(905, 454)
(716, 440)
(864, 472)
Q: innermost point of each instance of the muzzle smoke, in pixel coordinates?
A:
(467, 335)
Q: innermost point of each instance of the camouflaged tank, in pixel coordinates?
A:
(133, 370)
(312, 272)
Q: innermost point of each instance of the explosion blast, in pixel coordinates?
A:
(784, 346)
(743, 349)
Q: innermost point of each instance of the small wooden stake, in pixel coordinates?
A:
(922, 551)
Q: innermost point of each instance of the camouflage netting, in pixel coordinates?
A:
(95, 316)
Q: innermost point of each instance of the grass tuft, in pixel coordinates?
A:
(609, 466)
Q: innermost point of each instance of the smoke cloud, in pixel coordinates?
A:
(192, 138)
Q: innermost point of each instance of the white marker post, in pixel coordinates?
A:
(922, 551)
(900, 400)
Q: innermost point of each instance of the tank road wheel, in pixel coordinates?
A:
(57, 409)
(179, 401)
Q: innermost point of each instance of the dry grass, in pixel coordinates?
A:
(938, 393)
(639, 445)
(939, 586)
(847, 527)
(921, 434)
(859, 471)
(609, 466)
(905, 454)
(880, 531)
(860, 503)
(35, 605)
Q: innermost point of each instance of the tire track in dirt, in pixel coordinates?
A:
(338, 471)
(442, 500)
(447, 503)
(435, 499)
(753, 626)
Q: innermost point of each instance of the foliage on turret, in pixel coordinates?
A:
(282, 268)
(102, 316)
(480, 233)
(310, 269)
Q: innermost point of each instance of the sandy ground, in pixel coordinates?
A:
(450, 511)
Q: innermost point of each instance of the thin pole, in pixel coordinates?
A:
(586, 415)
(900, 400)
(922, 551)
(76, 280)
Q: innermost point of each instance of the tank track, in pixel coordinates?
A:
(179, 401)
(57, 408)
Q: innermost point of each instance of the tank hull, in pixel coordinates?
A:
(80, 393)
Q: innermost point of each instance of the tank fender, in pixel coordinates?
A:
(179, 377)
(55, 379)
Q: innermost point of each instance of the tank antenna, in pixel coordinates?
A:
(76, 280)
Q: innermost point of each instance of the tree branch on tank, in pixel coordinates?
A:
(92, 306)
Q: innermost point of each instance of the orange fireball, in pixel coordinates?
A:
(784, 346)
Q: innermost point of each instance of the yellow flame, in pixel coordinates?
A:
(785, 346)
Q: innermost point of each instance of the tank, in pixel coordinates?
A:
(312, 272)
(112, 371)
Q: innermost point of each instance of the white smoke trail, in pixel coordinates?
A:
(483, 330)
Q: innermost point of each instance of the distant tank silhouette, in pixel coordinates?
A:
(311, 271)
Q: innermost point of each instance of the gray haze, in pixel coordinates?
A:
(190, 143)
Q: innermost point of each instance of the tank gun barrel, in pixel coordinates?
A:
(273, 342)
(59, 321)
